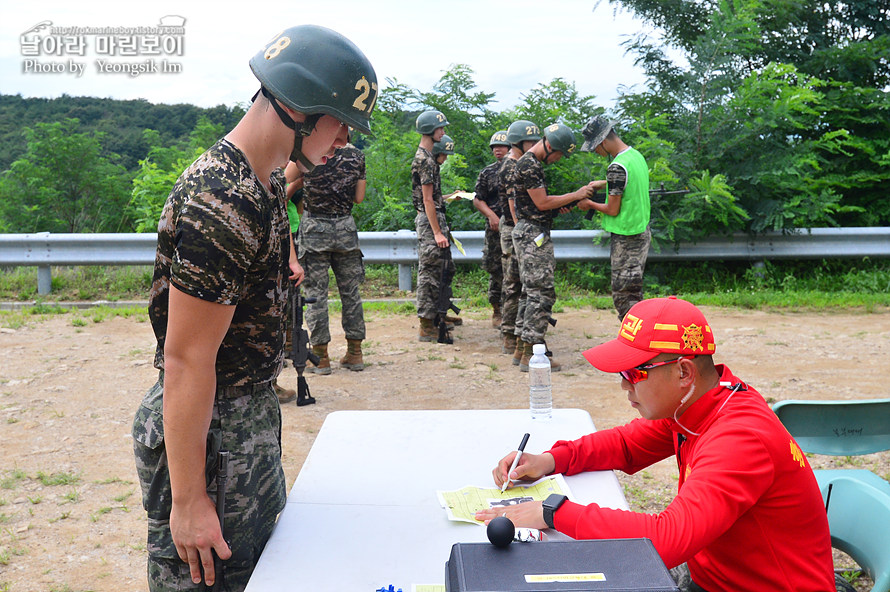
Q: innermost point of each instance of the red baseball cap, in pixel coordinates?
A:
(654, 326)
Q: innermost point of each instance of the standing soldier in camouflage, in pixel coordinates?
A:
(522, 135)
(625, 213)
(534, 208)
(217, 307)
(432, 229)
(328, 238)
(488, 203)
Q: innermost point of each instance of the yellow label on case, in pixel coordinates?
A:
(551, 578)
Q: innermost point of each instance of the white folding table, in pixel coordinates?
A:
(363, 512)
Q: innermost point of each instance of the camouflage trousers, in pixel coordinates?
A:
(429, 265)
(331, 243)
(628, 258)
(684, 580)
(491, 262)
(512, 287)
(537, 266)
(247, 423)
(349, 272)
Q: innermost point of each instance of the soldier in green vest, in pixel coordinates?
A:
(625, 213)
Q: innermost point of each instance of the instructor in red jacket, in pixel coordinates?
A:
(748, 514)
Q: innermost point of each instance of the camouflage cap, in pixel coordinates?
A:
(595, 132)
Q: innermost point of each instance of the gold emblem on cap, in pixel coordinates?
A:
(693, 339)
(630, 327)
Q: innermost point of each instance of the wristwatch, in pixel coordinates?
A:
(552, 504)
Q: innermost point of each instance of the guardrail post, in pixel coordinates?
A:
(44, 279)
(405, 279)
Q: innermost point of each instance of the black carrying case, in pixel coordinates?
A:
(614, 565)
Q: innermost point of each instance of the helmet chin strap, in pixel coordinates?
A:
(301, 129)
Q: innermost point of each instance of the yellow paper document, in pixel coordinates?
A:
(462, 504)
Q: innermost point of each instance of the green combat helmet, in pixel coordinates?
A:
(443, 146)
(561, 139)
(317, 72)
(499, 139)
(429, 121)
(522, 130)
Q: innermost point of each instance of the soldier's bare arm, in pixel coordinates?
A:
(195, 331)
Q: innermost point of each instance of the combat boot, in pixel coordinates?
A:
(324, 362)
(517, 353)
(428, 331)
(453, 321)
(554, 365)
(496, 317)
(353, 358)
(285, 395)
(509, 343)
(526, 356)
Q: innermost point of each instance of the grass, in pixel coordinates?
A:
(861, 285)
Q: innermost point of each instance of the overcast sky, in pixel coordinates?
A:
(510, 45)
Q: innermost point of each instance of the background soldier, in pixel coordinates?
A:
(625, 213)
(534, 207)
(432, 229)
(217, 307)
(487, 201)
(328, 238)
(521, 135)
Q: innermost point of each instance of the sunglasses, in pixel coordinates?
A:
(641, 373)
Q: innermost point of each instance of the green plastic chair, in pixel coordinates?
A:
(857, 500)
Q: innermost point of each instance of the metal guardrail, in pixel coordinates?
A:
(45, 250)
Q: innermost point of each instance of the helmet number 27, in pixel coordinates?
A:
(364, 87)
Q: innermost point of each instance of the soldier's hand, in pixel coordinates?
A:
(494, 222)
(196, 532)
(441, 240)
(297, 274)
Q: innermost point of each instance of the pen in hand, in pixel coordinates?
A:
(515, 462)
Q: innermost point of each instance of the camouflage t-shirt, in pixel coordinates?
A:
(329, 190)
(506, 185)
(530, 175)
(487, 187)
(224, 238)
(425, 171)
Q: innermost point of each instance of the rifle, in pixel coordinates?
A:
(444, 303)
(652, 193)
(300, 351)
(222, 478)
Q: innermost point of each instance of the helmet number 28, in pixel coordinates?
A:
(364, 87)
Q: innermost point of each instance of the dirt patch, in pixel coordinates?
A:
(70, 511)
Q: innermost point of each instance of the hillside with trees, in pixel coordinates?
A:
(775, 116)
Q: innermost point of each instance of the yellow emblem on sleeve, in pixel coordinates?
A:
(796, 452)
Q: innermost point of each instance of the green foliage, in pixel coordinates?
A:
(161, 168)
(63, 183)
(788, 100)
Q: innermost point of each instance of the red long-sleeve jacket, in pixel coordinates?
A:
(748, 513)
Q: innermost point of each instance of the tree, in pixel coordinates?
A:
(63, 183)
(159, 171)
(786, 98)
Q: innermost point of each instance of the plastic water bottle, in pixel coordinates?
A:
(540, 395)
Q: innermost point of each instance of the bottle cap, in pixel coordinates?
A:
(539, 349)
